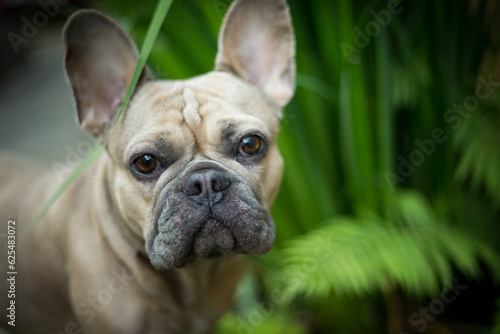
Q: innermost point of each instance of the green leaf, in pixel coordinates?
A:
(479, 162)
(357, 256)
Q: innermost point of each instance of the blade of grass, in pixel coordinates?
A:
(384, 121)
(153, 30)
(346, 134)
(385, 124)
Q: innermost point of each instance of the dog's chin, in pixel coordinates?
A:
(213, 240)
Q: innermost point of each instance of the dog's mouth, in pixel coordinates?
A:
(180, 240)
(213, 239)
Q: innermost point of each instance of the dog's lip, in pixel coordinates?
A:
(210, 224)
(212, 239)
(184, 231)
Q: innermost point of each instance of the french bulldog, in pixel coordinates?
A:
(148, 239)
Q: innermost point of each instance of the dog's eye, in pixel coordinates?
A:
(146, 164)
(250, 145)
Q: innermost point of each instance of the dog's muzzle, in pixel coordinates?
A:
(205, 212)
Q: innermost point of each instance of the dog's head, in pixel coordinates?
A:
(195, 162)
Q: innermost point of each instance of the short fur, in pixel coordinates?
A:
(125, 252)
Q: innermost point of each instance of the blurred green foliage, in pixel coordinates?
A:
(388, 189)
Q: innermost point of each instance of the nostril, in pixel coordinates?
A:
(193, 187)
(197, 188)
(219, 184)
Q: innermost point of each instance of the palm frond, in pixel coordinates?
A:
(478, 143)
(356, 256)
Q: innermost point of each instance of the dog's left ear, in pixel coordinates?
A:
(257, 43)
(100, 62)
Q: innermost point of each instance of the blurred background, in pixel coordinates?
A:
(388, 219)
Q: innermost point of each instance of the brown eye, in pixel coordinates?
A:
(250, 145)
(146, 164)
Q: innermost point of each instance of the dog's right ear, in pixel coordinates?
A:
(100, 62)
(257, 43)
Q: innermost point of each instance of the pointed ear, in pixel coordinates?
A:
(257, 43)
(100, 61)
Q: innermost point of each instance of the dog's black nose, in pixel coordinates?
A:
(206, 186)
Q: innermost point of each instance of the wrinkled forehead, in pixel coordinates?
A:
(199, 108)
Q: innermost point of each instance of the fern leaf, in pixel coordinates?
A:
(356, 256)
(478, 143)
